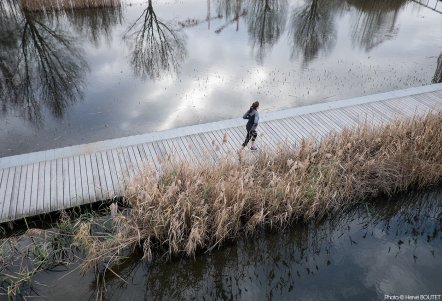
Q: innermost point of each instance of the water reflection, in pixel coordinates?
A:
(266, 23)
(158, 48)
(376, 21)
(52, 66)
(361, 249)
(95, 23)
(312, 29)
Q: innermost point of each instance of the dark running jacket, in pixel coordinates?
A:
(253, 118)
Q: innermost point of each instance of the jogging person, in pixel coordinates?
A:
(252, 123)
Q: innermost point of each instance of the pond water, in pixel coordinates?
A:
(76, 76)
(390, 247)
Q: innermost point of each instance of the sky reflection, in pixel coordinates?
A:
(221, 56)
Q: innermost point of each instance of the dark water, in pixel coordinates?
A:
(393, 247)
(78, 76)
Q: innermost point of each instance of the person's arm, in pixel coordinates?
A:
(255, 121)
(246, 115)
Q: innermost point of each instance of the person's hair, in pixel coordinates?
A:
(254, 106)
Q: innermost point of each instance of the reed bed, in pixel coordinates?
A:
(39, 5)
(190, 208)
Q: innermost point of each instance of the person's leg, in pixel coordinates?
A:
(253, 135)
(248, 136)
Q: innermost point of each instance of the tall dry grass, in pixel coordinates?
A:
(188, 208)
(38, 5)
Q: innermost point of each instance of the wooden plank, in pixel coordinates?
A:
(40, 207)
(3, 183)
(105, 186)
(175, 149)
(27, 208)
(113, 173)
(21, 193)
(15, 193)
(33, 201)
(90, 178)
(303, 127)
(107, 175)
(47, 188)
(218, 138)
(124, 168)
(189, 157)
(292, 138)
(346, 121)
(331, 125)
(150, 150)
(129, 164)
(78, 182)
(56, 187)
(300, 134)
(133, 160)
(3, 186)
(278, 129)
(99, 188)
(66, 186)
(73, 193)
(407, 103)
(138, 159)
(326, 124)
(8, 193)
(314, 125)
(204, 148)
(191, 148)
(84, 180)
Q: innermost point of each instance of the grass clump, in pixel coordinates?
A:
(189, 208)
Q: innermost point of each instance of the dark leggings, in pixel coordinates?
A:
(252, 134)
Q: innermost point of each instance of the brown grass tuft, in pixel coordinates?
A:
(189, 208)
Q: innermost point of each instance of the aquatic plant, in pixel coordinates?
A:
(198, 207)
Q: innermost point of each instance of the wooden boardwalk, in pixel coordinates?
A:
(48, 181)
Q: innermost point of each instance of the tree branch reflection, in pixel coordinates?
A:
(158, 48)
(376, 22)
(312, 29)
(52, 66)
(266, 22)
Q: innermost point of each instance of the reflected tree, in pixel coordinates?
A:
(376, 21)
(158, 48)
(95, 23)
(437, 78)
(40, 67)
(312, 29)
(52, 66)
(266, 22)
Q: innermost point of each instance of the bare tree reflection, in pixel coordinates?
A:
(266, 22)
(52, 66)
(95, 23)
(312, 29)
(158, 47)
(437, 78)
(376, 21)
(39, 67)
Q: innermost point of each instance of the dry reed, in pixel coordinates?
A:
(39, 5)
(189, 208)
